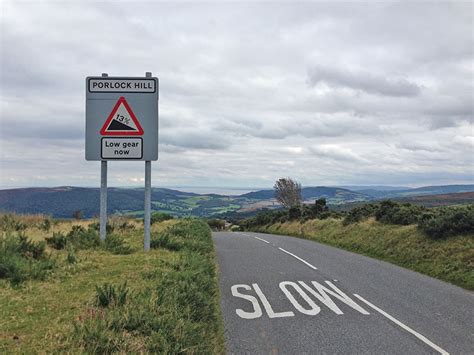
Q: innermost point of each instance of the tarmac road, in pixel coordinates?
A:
(291, 296)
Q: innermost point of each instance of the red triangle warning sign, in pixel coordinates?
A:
(121, 121)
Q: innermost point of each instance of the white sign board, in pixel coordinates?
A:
(122, 148)
(121, 118)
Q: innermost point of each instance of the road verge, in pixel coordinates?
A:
(447, 259)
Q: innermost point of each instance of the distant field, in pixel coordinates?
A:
(460, 198)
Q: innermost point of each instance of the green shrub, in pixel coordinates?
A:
(360, 213)
(294, 213)
(165, 240)
(188, 235)
(317, 210)
(266, 217)
(57, 241)
(157, 217)
(45, 225)
(388, 212)
(11, 223)
(22, 259)
(447, 221)
(117, 245)
(83, 238)
(126, 226)
(111, 295)
(71, 255)
(109, 228)
(391, 212)
(29, 249)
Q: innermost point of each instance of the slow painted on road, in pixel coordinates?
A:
(287, 295)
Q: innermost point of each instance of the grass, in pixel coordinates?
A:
(95, 301)
(450, 259)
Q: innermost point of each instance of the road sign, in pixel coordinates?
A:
(121, 107)
(122, 124)
(121, 121)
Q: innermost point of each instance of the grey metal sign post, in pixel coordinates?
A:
(122, 124)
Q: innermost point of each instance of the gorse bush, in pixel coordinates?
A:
(318, 210)
(126, 226)
(157, 217)
(109, 227)
(29, 249)
(391, 212)
(446, 221)
(22, 259)
(45, 225)
(435, 222)
(360, 213)
(117, 245)
(266, 217)
(57, 241)
(71, 255)
(111, 295)
(11, 223)
(165, 240)
(81, 238)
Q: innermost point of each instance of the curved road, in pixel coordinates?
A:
(291, 296)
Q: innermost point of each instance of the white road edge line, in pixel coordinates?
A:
(407, 328)
(297, 257)
(263, 240)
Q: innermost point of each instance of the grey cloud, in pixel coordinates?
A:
(194, 139)
(336, 152)
(362, 80)
(330, 92)
(419, 146)
(41, 130)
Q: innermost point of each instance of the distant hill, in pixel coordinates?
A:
(373, 188)
(333, 194)
(426, 190)
(459, 198)
(312, 193)
(63, 201)
(436, 190)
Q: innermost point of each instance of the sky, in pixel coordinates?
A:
(328, 93)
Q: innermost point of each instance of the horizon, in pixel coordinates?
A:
(216, 189)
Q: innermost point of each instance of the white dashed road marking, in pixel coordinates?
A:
(263, 240)
(407, 328)
(297, 257)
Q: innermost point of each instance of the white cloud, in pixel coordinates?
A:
(363, 93)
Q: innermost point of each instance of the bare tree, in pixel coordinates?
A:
(288, 192)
